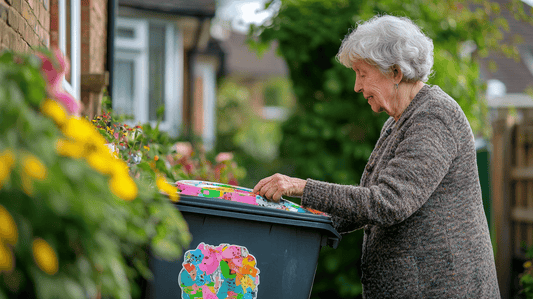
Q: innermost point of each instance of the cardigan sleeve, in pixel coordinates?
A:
(420, 162)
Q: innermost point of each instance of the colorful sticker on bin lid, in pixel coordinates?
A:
(237, 194)
(218, 272)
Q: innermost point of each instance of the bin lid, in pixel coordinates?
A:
(241, 210)
(238, 194)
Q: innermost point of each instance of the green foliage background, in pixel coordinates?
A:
(333, 130)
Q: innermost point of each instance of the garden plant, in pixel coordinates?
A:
(84, 204)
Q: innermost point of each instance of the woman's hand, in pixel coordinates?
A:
(277, 185)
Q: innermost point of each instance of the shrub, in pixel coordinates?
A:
(73, 223)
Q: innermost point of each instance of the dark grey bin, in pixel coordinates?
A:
(285, 245)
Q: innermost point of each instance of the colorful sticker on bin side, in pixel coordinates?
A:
(219, 272)
(237, 194)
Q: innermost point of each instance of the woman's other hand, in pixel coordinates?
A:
(277, 185)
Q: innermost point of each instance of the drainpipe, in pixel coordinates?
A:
(191, 55)
(111, 17)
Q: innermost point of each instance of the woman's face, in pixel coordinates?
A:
(376, 87)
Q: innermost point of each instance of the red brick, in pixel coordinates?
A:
(35, 39)
(46, 23)
(4, 12)
(18, 43)
(47, 41)
(85, 65)
(17, 4)
(13, 19)
(37, 11)
(54, 9)
(27, 14)
(26, 47)
(3, 33)
(85, 14)
(24, 30)
(54, 39)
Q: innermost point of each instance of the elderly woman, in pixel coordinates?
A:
(419, 200)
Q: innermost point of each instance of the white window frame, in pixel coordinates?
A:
(206, 67)
(139, 47)
(139, 86)
(75, 44)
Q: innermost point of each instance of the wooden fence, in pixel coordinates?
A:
(512, 193)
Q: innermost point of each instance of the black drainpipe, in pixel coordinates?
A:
(111, 17)
(191, 55)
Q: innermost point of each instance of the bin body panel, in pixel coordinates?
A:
(285, 245)
(286, 256)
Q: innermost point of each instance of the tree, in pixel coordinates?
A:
(333, 131)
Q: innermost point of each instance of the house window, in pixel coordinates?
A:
(69, 43)
(148, 72)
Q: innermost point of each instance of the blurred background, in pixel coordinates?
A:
(259, 79)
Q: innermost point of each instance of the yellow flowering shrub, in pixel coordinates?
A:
(45, 256)
(73, 222)
(8, 228)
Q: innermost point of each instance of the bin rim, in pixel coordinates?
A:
(222, 204)
(226, 208)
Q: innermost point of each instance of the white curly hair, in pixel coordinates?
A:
(387, 41)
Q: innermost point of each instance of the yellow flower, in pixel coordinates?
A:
(55, 111)
(527, 264)
(119, 167)
(156, 158)
(123, 186)
(27, 184)
(33, 167)
(45, 256)
(6, 163)
(101, 162)
(167, 188)
(69, 148)
(6, 258)
(79, 129)
(8, 228)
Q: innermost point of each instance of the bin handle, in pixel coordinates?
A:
(332, 242)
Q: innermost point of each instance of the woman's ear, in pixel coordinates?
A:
(397, 74)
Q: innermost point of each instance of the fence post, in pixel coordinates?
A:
(500, 161)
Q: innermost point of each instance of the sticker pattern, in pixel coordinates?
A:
(221, 272)
(238, 194)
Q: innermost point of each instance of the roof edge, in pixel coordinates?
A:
(180, 12)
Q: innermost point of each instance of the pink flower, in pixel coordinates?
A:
(54, 74)
(68, 101)
(184, 148)
(224, 156)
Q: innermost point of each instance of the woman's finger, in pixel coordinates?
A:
(270, 192)
(277, 195)
(261, 183)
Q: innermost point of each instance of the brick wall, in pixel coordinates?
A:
(31, 24)
(24, 24)
(93, 54)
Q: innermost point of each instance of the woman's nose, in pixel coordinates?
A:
(357, 87)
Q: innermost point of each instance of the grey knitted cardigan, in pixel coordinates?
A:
(419, 202)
